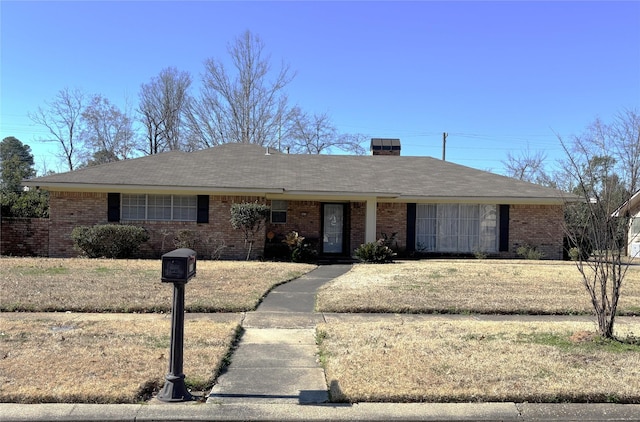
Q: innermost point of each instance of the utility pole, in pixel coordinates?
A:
(444, 145)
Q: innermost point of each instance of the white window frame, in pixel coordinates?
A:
(279, 208)
(634, 229)
(152, 207)
(457, 228)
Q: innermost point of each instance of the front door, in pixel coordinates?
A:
(333, 229)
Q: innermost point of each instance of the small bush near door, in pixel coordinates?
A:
(375, 252)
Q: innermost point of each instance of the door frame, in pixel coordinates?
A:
(345, 228)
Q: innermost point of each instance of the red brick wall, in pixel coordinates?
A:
(392, 218)
(304, 217)
(69, 209)
(358, 222)
(536, 225)
(24, 236)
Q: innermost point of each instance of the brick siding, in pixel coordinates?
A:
(392, 218)
(24, 236)
(358, 223)
(215, 239)
(533, 225)
(539, 226)
(304, 217)
(68, 210)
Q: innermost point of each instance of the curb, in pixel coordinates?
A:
(509, 411)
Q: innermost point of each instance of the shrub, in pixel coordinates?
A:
(529, 252)
(578, 248)
(27, 204)
(301, 251)
(375, 252)
(249, 217)
(109, 240)
(185, 239)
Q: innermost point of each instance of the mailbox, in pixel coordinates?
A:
(178, 265)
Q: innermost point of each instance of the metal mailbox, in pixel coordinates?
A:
(178, 266)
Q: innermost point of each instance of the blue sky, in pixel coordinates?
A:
(498, 77)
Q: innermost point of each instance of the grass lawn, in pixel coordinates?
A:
(469, 286)
(102, 285)
(88, 356)
(98, 354)
(104, 358)
(465, 360)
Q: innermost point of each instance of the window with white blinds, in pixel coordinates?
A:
(456, 228)
(159, 207)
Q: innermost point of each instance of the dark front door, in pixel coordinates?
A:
(333, 228)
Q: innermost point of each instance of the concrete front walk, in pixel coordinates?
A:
(276, 358)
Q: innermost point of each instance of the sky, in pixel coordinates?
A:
(499, 77)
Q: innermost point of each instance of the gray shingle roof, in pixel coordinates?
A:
(247, 168)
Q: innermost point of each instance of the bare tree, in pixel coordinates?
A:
(107, 132)
(61, 117)
(528, 166)
(625, 132)
(597, 236)
(316, 134)
(246, 104)
(163, 102)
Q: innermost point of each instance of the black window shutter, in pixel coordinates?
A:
(113, 207)
(411, 227)
(504, 228)
(203, 209)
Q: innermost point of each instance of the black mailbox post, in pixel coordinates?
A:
(178, 267)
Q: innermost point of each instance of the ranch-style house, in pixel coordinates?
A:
(337, 202)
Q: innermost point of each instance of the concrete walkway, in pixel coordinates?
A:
(276, 358)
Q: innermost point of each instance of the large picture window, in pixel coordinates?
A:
(456, 228)
(159, 207)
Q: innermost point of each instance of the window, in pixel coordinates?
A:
(634, 233)
(159, 207)
(279, 211)
(456, 228)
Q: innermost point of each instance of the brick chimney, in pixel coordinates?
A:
(385, 146)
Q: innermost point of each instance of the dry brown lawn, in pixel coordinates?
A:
(445, 360)
(113, 357)
(104, 358)
(101, 285)
(469, 286)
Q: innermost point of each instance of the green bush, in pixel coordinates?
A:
(109, 240)
(26, 204)
(304, 253)
(301, 251)
(375, 252)
(529, 252)
(250, 218)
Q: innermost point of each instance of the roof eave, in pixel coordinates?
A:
(94, 187)
(512, 200)
(628, 205)
(331, 196)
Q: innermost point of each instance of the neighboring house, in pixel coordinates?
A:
(632, 207)
(336, 201)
